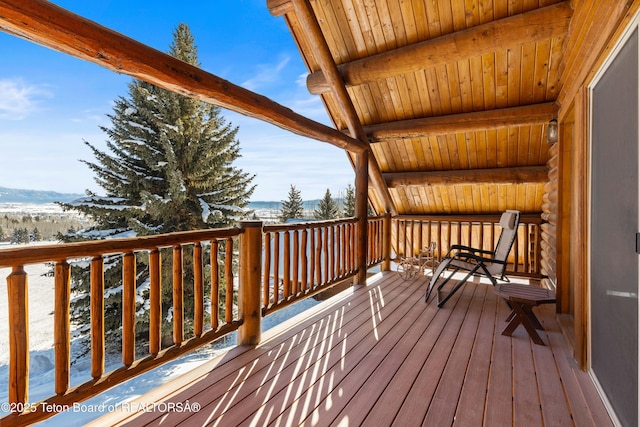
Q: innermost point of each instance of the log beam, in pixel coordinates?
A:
(516, 175)
(51, 26)
(465, 122)
(529, 27)
(313, 32)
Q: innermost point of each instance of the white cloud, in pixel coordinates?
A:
(267, 73)
(19, 99)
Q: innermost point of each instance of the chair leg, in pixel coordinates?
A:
(521, 314)
(455, 288)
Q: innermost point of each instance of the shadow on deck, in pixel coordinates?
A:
(378, 355)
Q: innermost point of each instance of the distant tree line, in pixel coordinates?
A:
(328, 208)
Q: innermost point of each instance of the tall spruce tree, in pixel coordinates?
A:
(168, 167)
(349, 207)
(292, 207)
(327, 208)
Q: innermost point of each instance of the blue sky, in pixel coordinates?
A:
(50, 102)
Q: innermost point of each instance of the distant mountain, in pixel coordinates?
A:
(12, 195)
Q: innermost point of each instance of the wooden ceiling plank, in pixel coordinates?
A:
(513, 75)
(489, 80)
(527, 74)
(477, 84)
(471, 13)
(555, 58)
(357, 30)
(500, 9)
(485, 11)
(539, 24)
(433, 91)
(443, 80)
(454, 85)
(49, 25)
(423, 88)
(541, 70)
(488, 147)
(399, 25)
(502, 80)
(465, 122)
(466, 91)
(463, 150)
(445, 15)
(409, 18)
(413, 95)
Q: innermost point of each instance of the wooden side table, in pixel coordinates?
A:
(522, 299)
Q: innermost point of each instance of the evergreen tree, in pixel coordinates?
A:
(327, 208)
(349, 209)
(292, 207)
(2, 236)
(168, 167)
(36, 235)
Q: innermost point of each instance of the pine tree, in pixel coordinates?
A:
(292, 207)
(349, 209)
(327, 208)
(168, 167)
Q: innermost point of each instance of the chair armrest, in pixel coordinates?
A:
(466, 249)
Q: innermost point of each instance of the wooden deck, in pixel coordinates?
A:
(378, 355)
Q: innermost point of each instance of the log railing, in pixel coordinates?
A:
(66, 257)
(412, 233)
(277, 265)
(303, 259)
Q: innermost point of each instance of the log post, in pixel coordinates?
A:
(17, 289)
(362, 184)
(386, 242)
(249, 302)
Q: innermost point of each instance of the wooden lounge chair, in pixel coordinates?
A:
(491, 264)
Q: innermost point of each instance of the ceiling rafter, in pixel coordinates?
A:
(313, 32)
(54, 27)
(465, 122)
(512, 175)
(501, 35)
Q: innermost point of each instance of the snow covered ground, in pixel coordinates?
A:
(41, 381)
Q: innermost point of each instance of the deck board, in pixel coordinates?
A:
(379, 355)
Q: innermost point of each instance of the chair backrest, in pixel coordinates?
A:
(509, 222)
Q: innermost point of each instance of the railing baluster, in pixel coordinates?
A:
(312, 256)
(276, 267)
(128, 308)
(228, 272)
(303, 255)
(326, 251)
(17, 289)
(266, 276)
(155, 302)
(296, 263)
(97, 317)
(215, 285)
(62, 325)
(198, 291)
(319, 256)
(286, 283)
(178, 296)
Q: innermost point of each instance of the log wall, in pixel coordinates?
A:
(550, 216)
